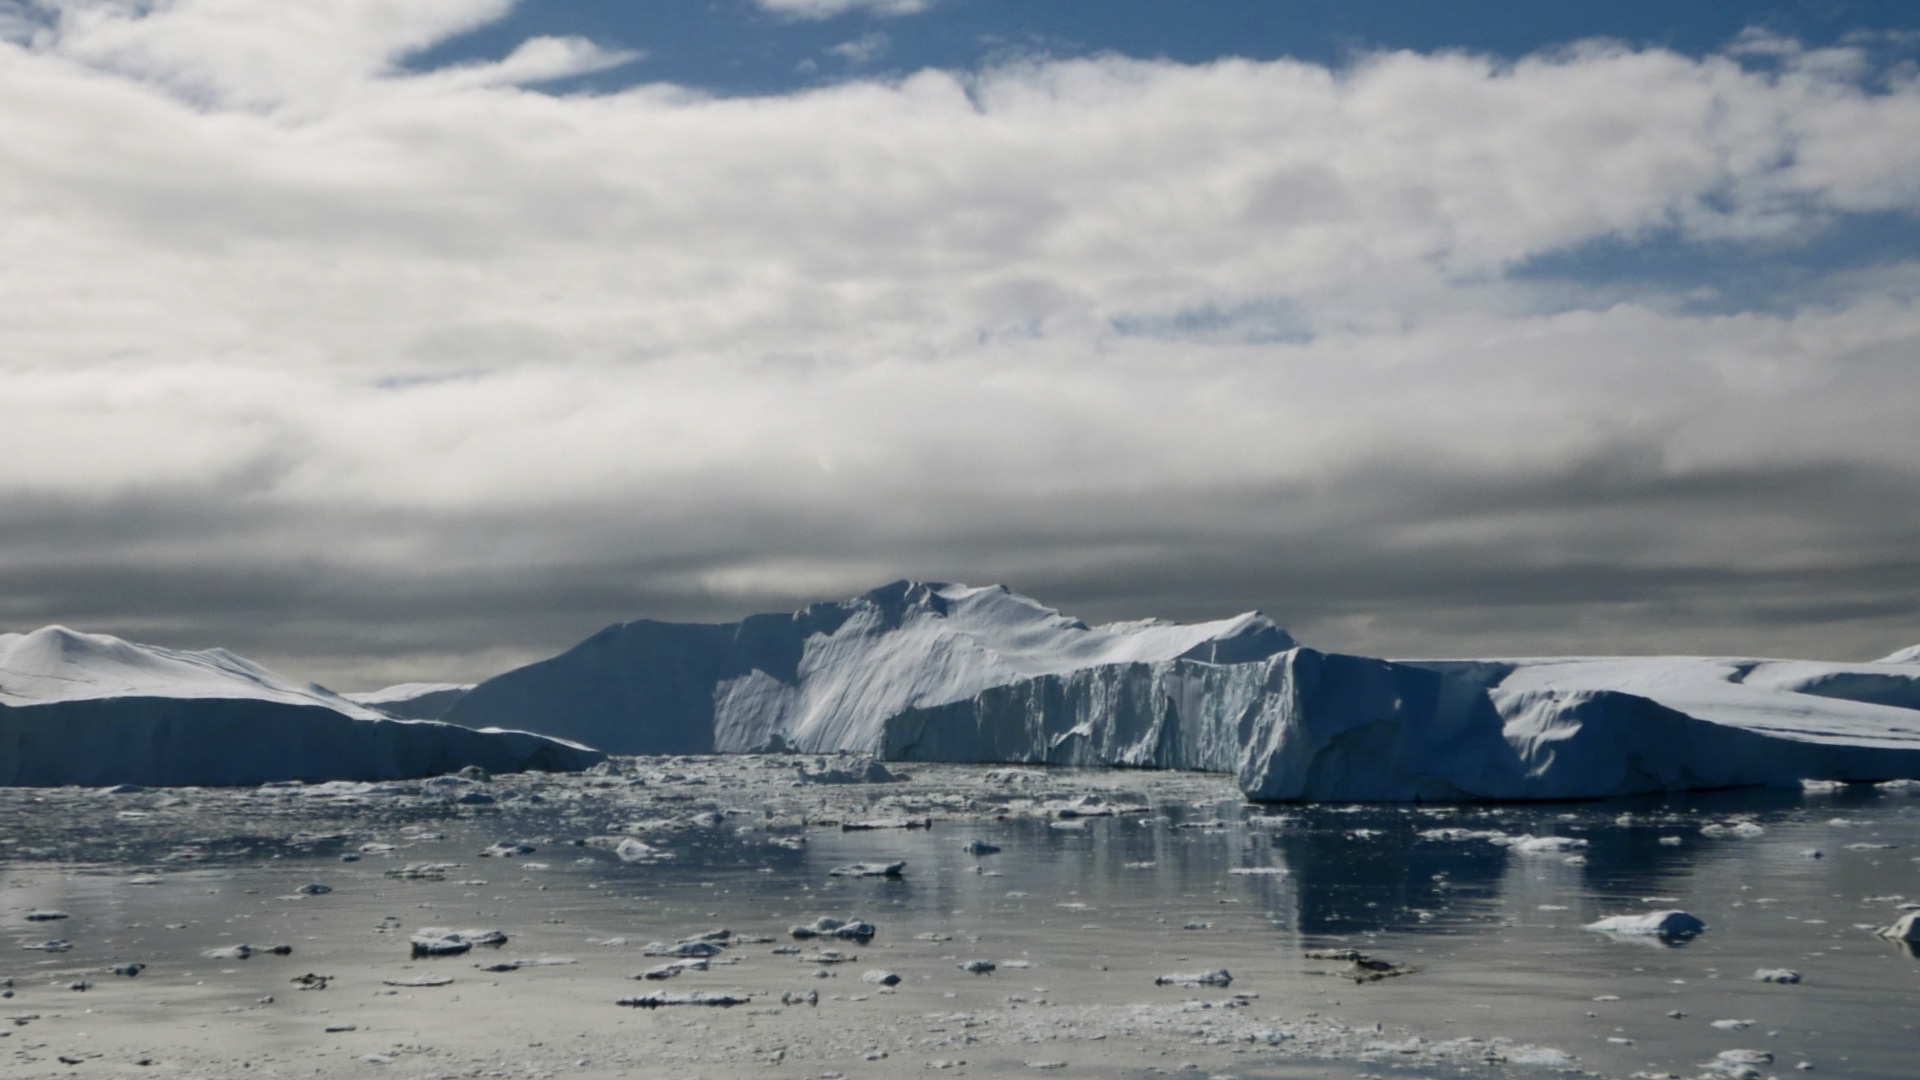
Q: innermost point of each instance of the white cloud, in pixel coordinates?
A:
(251, 262)
(863, 49)
(827, 9)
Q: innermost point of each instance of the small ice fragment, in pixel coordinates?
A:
(978, 846)
(861, 869)
(1217, 977)
(1666, 925)
(1776, 975)
(880, 978)
(45, 916)
(977, 967)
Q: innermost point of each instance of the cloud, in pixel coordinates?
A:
(863, 49)
(364, 370)
(827, 9)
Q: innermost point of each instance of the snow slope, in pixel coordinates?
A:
(412, 701)
(827, 677)
(1909, 655)
(93, 709)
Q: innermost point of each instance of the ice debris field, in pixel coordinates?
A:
(920, 672)
(805, 917)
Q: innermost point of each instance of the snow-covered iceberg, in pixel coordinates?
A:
(1305, 725)
(413, 700)
(93, 709)
(827, 677)
(935, 672)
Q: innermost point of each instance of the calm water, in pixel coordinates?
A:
(1076, 918)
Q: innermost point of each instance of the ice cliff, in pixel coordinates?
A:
(936, 672)
(1306, 725)
(93, 709)
(827, 677)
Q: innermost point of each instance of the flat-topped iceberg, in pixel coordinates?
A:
(95, 710)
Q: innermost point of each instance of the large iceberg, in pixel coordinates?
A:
(937, 672)
(827, 677)
(1306, 725)
(92, 709)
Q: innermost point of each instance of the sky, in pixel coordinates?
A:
(384, 341)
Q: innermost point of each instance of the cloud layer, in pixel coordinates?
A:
(375, 373)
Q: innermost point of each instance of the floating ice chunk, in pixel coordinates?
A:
(844, 929)
(655, 1001)
(978, 846)
(420, 980)
(45, 916)
(1905, 928)
(314, 888)
(977, 967)
(1732, 1025)
(1542, 845)
(443, 941)
(1776, 975)
(880, 978)
(129, 970)
(1360, 967)
(631, 850)
(862, 869)
(1259, 871)
(669, 971)
(1739, 1064)
(690, 949)
(1665, 925)
(527, 962)
(506, 849)
(1216, 977)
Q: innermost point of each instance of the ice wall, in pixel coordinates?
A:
(1306, 725)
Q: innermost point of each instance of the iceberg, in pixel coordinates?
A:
(92, 709)
(1310, 726)
(1909, 655)
(941, 672)
(827, 677)
(412, 701)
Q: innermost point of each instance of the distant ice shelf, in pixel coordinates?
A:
(92, 709)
